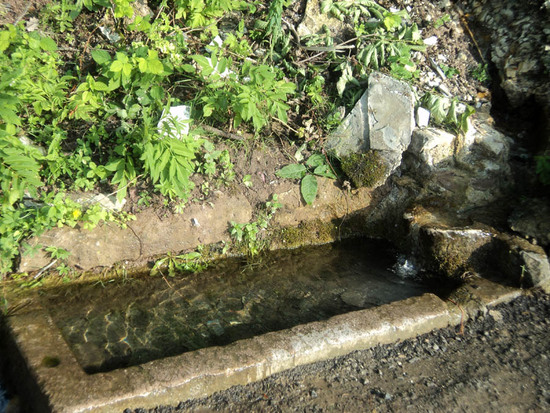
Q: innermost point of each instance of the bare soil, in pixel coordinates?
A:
(14, 11)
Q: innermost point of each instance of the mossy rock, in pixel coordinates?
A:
(364, 169)
(307, 233)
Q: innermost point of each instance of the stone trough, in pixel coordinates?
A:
(52, 380)
(433, 201)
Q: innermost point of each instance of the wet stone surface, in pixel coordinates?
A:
(132, 321)
(499, 363)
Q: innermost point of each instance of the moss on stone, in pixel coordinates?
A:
(307, 233)
(363, 169)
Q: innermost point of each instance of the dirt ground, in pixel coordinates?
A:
(501, 363)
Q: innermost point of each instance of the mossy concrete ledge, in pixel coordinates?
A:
(65, 387)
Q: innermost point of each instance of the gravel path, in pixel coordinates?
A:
(501, 363)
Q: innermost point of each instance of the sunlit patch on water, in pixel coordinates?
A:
(132, 321)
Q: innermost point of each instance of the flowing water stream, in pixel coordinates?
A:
(134, 320)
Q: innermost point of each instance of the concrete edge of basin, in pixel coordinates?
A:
(67, 388)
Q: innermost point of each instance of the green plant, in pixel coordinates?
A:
(19, 169)
(447, 112)
(255, 96)
(314, 90)
(62, 14)
(543, 168)
(202, 13)
(58, 253)
(481, 73)
(272, 28)
(64, 271)
(442, 20)
(246, 234)
(384, 38)
(120, 8)
(17, 223)
(215, 164)
(190, 262)
(448, 71)
(170, 163)
(315, 165)
(25, 281)
(31, 88)
(144, 199)
(59, 256)
(247, 181)
(237, 43)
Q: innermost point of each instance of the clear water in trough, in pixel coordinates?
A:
(130, 321)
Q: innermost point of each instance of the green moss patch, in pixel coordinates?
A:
(364, 169)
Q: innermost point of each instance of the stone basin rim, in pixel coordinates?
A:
(67, 388)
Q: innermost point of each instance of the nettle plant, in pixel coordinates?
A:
(316, 165)
(257, 94)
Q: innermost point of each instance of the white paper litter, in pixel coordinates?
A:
(175, 123)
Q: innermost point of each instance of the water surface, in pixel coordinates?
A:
(132, 321)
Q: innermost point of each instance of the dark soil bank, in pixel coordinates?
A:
(499, 364)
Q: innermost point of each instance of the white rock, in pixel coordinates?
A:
(422, 117)
(430, 41)
(216, 42)
(112, 37)
(537, 268)
(25, 140)
(432, 147)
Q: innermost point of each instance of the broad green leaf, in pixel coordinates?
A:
(326, 5)
(155, 66)
(347, 76)
(202, 62)
(308, 188)
(142, 65)
(122, 57)
(188, 68)
(9, 116)
(101, 57)
(315, 160)
(5, 40)
(114, 164)
(116, 66)
(292, 171)
(48, 44)
(127, 69)
(157, 92)
(463, 119)
(207, 110)
(452, 114)
(100, 86)
(324, 170)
